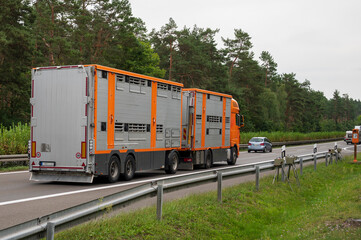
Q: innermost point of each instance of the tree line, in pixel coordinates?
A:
(53, 32)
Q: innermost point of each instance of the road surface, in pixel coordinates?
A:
(23, 200)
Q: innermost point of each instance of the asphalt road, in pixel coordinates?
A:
(22, 200)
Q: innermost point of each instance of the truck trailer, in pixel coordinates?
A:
(91, 120)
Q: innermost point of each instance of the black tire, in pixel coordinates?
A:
(249, 151)
(270, 150)
(129, 168)
(234, 155)
(113, 169)
(208, 160)
(171, 164)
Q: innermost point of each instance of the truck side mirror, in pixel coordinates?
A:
(242, 121)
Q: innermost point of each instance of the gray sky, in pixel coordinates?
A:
(318, 40)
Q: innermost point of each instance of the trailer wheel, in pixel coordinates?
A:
(129, 168)
(113, 169)
(233, 159)
(171, 164)
(208, 160)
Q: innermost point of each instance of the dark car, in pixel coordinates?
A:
(259, 144)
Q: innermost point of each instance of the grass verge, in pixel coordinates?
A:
(322, 208)
(13, 168)
(14, 140)
(290, 136)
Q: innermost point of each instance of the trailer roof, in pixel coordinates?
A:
(109, 69)
(208, 92)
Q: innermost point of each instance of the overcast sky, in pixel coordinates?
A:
(318, 40)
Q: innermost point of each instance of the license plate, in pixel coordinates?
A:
(47, 164)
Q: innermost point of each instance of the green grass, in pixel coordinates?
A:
(14, 140)
(13, 168)
(290, 136)
(320, 209)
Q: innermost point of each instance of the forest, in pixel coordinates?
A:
(53, 32)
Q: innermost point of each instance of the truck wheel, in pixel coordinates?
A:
(208, 160)
(113, 169)
(171, 164)
(233, 159)
(129, 168)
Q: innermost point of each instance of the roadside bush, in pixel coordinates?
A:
(14, 139)
(290, 136)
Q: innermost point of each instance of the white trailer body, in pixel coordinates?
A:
(93, 120)
(59, 124)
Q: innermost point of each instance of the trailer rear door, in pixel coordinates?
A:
(59, 121)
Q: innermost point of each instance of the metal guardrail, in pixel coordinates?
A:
(24, 157)
(289, 143)
(14, 158)
(45, 226)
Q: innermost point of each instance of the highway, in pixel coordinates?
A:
(22, 200)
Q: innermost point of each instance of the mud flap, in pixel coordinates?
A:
(185, 166)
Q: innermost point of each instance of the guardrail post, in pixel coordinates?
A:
(159, 201)
(283, 171)
(326, 157)
(315, 161)
(301, 166)
(257, 177)
(283, 155)
(50, 229)
(219, 188)
(337, 156)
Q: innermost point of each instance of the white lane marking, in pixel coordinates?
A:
(350, 148)
(95, 189)
(9, 173)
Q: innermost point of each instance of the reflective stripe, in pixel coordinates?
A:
(224, 121)
(83, 150)
(204, 106)
(111, 118)
(153, 128)
(33, 149)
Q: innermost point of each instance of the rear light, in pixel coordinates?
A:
(262, 144)
(249, 144)
(91, 144)
(83, 149)
(33, 149)
(188, 159)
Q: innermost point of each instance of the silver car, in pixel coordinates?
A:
(259, 144)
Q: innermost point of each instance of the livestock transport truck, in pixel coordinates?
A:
(91, 120)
